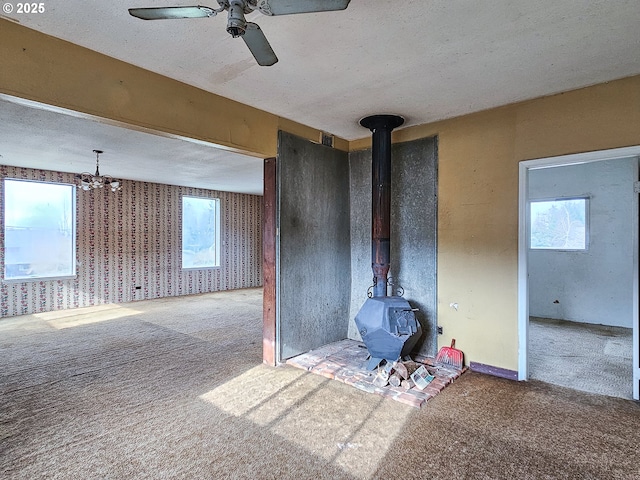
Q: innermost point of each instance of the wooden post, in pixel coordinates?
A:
(269, 264)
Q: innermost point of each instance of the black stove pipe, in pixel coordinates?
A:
(381, 126)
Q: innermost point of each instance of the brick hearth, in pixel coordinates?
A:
(344, 361)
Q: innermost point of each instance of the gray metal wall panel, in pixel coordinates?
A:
(361, 274)
(314, 245)
(413, 231)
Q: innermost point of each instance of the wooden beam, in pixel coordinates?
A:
(269, 263)
(55, 74)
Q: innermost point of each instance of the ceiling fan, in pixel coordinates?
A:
(237, 25)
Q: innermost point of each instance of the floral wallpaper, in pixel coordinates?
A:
(132, 239)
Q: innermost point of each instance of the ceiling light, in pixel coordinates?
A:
(87, 181)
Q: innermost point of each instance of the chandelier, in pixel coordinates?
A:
(87, 181)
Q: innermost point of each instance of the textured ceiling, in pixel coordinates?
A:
(37, 138)
(424, 59)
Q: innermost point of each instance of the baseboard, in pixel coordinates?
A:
(495, 371)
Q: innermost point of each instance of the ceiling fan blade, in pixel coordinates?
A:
(161, 13)
(288, 7)
(259, 45)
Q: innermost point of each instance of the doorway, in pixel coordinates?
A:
(572, 306)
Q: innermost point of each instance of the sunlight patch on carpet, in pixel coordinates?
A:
(85, 316)
(243, 394)
(341, 426)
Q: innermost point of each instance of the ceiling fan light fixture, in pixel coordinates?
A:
(237, 24)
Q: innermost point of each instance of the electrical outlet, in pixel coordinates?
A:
(439, 330)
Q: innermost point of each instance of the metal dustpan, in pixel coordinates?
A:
(451, 356)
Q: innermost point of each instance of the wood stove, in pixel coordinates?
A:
(387, 324)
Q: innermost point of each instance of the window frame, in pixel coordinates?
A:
(587, 223)
(217, 234)
(74, 230)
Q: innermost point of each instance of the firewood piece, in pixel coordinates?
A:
(382, 377)
(405, 369)
(407, 384)
(401, 370)
(395, 380)
(380, 381)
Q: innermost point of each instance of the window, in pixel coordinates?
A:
(560, 224)
(39, 230)
(200, 232)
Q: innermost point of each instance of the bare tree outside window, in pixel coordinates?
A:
(559, 224)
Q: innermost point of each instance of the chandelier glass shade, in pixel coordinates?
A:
(88, 181)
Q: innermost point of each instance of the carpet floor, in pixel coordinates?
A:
(591, 358)
(175, 388)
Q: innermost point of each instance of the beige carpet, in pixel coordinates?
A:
(174, 388)
(591, 358)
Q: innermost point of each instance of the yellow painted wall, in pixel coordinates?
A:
(44, 69)
(478, 160)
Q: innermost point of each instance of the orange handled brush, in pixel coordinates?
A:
(451, 356)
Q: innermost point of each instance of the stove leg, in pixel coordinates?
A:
(373, 363)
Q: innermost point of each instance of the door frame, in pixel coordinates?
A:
(523, 272)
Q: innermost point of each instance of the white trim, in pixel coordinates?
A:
(37, 279)
(523, 281)
(523, 274)
(636, 300)
(587, 157)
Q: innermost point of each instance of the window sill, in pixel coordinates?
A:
(37, 279)
(191, 269)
